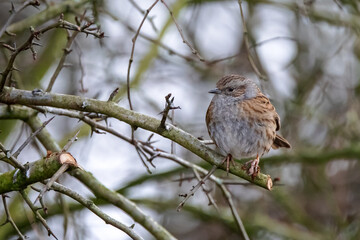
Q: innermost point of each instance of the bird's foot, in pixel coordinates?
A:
(228, 159)
(252, 167)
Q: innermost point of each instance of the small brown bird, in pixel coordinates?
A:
(242, 122)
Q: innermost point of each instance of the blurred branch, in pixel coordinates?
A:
(111, 109)
(38, 216)
(14, 12)
(10, 159)
(315, 156)
(283, 229)
(247, 43)
(44, 16)
(193, 50)
(29, 43)
(331, 17)
(131, 59)
(96, 210)
(9, 218)
(60, 65)
(150, 19)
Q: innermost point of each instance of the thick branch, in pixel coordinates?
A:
(16, 96)
(39, 170)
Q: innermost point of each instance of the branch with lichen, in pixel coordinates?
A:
(135, 119)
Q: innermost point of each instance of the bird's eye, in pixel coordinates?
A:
(230, 89)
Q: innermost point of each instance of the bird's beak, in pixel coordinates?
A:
(215, 91)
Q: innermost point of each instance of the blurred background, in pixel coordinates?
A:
(306, 60)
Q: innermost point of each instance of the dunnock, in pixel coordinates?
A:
(242, 122)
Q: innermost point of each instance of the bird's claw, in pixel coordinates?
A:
(252, 167)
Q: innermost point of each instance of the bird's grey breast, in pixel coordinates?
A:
(231, 129)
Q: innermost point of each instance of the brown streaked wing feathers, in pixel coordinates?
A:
(264, 102)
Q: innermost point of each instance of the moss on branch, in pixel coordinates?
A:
(36, 171)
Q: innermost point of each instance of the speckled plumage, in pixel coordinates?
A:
(241, 120)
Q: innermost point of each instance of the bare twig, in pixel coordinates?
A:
(14, 11)
(197, 186)
(234, 212)
(12, 160)
(28, 44)
(37, 214)
(46, 188)
(141, 157)
(70, 142)
(168, 107)
(153, 40)
(95, 209)
(193, 50)
(131, 59)
(82, 70)
(150, 19)
(247, 43)
(31, 137)
(67, 50)
(272, 39)
(9, 218)
(207, 192)
(60, 65)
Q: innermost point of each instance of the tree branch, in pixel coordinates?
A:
(111, 109)
(96, 210)
(44, 16)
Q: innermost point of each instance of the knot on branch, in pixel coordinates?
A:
(168, 106)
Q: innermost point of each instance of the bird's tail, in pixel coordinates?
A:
(280, 142)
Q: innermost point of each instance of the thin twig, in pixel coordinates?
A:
(28, 44)
(246, 39)
(207, 193)
(13, 12)
(31, 137)
(272, 39)
(96, 210)
(197, 186)
(82, 69)
(9, 218)
(131, 59)
(193, 50)
(142, 160)
(37, 214)
(55, 177)
(12, 160)
(143, 12)
(234, 212)
(70, 142)
(66, 51)
(153, 40)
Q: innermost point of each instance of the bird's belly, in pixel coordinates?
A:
(240, 138)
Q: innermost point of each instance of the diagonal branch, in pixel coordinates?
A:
(38, 216)
(95, 209)
(31, 137)
(135, 119)
(9, 218)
